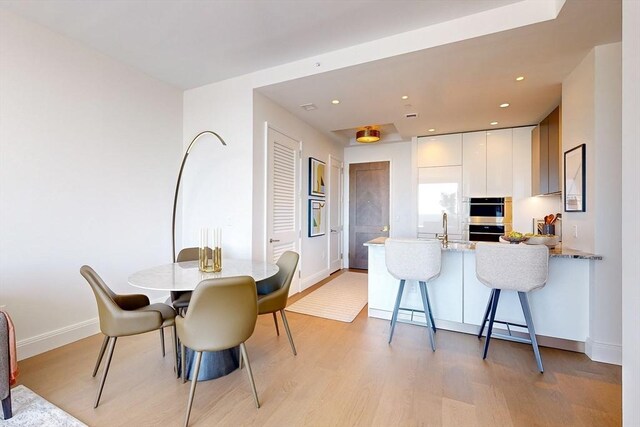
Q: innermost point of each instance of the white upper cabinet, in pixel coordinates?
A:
(444, 150)
(499, 163)
(474, 169)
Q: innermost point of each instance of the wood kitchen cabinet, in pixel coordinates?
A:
(487, 163)
(545, 155)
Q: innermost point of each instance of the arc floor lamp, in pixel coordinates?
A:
(175, 197)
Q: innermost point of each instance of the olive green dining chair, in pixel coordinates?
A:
(122, 315)
(222, 315)
(273, 292)
(125, 302)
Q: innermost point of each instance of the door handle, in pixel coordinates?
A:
(273, 240)
(334, 230)
(385, 228)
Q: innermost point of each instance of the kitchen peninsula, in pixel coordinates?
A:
(560, 310)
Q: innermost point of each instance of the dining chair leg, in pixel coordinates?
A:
(100, 355)
(174, 334)
(162, 340)
(486, 314)
(107, 363)
(427, 314)
(192, 391)
(241, 360)
(243, 350)
(275, 320)
(396, 307)
(286, 328)
(183, 363)
(492, 317)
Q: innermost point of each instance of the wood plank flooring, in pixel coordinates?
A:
(345, 374)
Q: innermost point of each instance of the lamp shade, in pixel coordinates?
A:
(368, 135)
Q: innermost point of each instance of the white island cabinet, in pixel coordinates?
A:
(560, 310)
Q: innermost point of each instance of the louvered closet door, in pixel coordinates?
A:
(283, 197)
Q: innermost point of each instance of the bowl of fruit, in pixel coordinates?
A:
(543, 239)
(514, 237)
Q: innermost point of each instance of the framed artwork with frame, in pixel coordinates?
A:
(316, 177)
(574, 179)
(316, 217)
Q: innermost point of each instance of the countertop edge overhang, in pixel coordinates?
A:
(557, 252)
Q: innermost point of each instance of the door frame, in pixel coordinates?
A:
(332, 160)
(265, 189)
(347, 202)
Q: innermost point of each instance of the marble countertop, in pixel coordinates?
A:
(459, 246)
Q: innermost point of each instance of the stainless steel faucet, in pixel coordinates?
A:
(445, 236)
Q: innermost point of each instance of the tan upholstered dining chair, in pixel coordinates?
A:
(273, 292)
(121, 315)
(222, 315)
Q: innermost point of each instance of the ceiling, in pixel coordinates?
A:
(456, 87)
(190, 43)
(452, 88)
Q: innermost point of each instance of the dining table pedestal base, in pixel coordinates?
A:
(215, 364)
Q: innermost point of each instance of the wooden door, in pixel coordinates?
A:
(283, 198)
(335, 214)
(368, 208)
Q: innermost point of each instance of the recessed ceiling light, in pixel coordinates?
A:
(519, 79)
(432, 130)
(335, 101)
(405, 96)
(493, 123)
(505, 105)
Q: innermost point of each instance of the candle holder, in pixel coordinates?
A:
(210, 251)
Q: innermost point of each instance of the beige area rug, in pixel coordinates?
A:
(340, 299)
(31, 410)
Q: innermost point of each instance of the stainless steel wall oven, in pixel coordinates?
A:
(486, 218)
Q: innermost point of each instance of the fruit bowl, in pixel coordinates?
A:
(544, 239)
(513, 239)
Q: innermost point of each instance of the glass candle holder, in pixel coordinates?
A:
(210, 251)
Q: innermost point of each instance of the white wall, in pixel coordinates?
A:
(591, 114)
(630, 209)
(314, 255)
(89, 151)
(578, 117)
(218, 179)
(403, 214)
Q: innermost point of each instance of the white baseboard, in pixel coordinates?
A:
(307, 282)
(53, 339)
(603, 352)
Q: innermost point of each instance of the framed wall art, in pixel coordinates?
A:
(316, 217)
(574, 179)
(316, 177)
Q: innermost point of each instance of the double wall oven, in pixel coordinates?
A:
(485, 219)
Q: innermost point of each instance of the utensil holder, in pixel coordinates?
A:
(549, 229)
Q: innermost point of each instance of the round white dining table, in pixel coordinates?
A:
(185, 276)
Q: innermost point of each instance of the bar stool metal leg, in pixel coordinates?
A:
(396, 307)
(494, 308)
(433, 322)
(427, 314)
(524, 302)
(486, 314)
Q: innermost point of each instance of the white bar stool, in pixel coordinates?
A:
(412, 259)
(522, 268)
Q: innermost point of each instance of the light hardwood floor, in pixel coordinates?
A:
(345, 374)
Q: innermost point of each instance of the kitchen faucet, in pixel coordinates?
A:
(445, 236)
